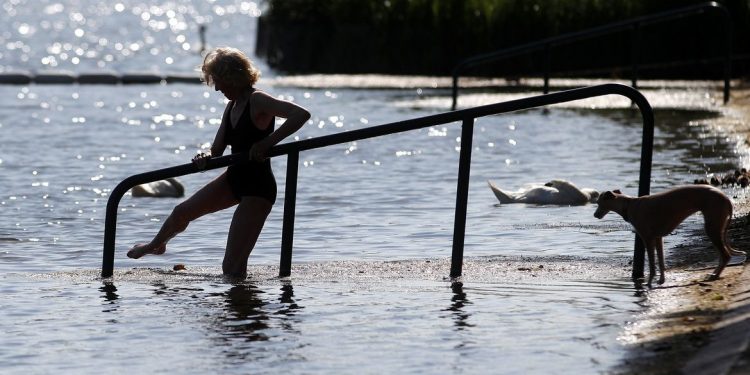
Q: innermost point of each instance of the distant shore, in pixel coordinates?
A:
(101, 77)
(431, 37)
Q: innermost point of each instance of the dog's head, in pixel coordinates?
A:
(606, 202)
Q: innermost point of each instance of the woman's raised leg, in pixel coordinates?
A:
(215, 196)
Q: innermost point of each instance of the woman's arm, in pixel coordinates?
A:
(264, 108)
(219, 144)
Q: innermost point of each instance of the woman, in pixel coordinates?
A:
(247, 125)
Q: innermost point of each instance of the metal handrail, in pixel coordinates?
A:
(466, 116)
(633, 24)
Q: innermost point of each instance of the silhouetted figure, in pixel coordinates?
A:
(248, 126)
(202, 32)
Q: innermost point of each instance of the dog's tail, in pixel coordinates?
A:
(502, 196)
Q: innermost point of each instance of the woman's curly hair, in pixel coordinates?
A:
(230, 66)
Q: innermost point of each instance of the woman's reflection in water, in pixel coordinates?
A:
(246, 316)
(251, 316)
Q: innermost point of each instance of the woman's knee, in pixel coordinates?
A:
(182, 215)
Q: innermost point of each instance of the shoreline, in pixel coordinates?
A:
(690, 325)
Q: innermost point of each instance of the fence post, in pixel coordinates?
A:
(454, 92)
(635, 50)
(462, 196)
(547, 63)
(290, 202)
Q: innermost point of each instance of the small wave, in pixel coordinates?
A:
(603, 228)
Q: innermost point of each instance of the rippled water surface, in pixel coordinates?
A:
(159, 322)
(128, 35)
(544, 288)
(66, 147)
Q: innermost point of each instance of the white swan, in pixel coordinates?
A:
(559, 192)
(170, 187)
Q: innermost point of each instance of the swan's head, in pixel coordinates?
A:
(593, 195)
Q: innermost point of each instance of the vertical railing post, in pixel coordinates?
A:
(462, 196)
(110, 226)
(290, 201)
(644, 180)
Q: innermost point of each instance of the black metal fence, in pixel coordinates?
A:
(634, 25)
(465, 116)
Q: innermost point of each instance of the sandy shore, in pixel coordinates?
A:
(694, 326)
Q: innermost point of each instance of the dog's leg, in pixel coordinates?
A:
(651, 264)
(732, 251)
(723, 260)
(659, 243)
(716, 231)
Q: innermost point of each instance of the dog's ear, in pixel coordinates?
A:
(617, 191)
(606, 196)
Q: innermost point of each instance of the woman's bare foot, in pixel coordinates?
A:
(140, 250)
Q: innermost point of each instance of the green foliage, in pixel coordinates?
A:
(479, 18)
(430, 36)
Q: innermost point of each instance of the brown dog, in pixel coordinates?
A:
(657, 215)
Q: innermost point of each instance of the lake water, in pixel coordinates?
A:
(545, 289)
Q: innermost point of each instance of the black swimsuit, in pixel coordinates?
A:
(250, 178)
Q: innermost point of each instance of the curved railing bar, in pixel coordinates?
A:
(634, 24)
(466, 116)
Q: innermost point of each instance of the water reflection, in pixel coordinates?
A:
(241, 318)
(109, 296)
(288, 310)
(458, 302)
(246, 317)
